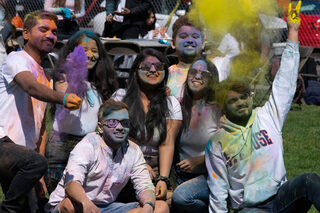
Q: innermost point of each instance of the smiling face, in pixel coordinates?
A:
(151, 71)
(188, 42)
(43, 36)
(238, 107)
(198, 76)
(91, 48)
(115, 127)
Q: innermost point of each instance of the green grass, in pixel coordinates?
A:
(301, 142)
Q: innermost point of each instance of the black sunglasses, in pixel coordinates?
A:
(112, 123)
(146, 66)
(205, 75)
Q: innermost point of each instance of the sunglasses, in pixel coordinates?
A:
(146, 66)
(112, 123)
(205, 75)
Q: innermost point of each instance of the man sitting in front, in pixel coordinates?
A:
(100, 166)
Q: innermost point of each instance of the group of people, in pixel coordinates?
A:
(113, 149)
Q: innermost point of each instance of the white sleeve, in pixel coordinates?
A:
(119, 95)
(79, 162)
(174, 107)
(284, 86)
(14, 64)
(217, 178)
(139, 174)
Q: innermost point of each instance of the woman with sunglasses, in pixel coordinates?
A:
(155, 118)
(200, 121)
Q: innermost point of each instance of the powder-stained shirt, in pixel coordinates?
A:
(83, 120)
(102, 176)
(176, 79)
(245, 163)
(21, 115)
(204, 122)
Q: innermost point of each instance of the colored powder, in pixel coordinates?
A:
(76, 70)
(240, 18)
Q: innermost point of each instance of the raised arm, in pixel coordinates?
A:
(284, 84)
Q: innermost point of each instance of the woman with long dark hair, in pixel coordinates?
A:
(155, 118)
(84, 68)
(201, 120)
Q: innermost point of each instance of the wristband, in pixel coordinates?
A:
(165, 179)
(150, 203)
(64, 99)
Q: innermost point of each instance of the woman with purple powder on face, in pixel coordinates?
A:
(84, 68)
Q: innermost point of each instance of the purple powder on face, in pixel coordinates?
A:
(76, 71)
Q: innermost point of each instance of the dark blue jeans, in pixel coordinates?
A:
(296, 195)
(20, 169)
(192, 193)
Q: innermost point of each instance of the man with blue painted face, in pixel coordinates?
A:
(187, 40)
(100, 166)
(244, 159)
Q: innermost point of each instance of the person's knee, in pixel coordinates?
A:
(161, 207)
(37, 165)
(179, 196)
(311, 179)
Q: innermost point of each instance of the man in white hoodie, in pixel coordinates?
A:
(244, 158)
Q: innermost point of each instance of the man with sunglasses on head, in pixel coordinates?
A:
(101, 165)
(244, 159)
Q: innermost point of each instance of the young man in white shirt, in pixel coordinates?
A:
(100, 166)
(244, 159)
(24, 91)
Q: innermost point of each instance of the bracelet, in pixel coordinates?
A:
(165, 179)
(64, 99)
(150, 203)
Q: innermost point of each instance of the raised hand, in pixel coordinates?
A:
(293, 14)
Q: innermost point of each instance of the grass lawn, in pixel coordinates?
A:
(301, 135)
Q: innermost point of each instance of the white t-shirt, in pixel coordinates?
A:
(150, 148)
(102, 176)
(82, 121)
(21, 115)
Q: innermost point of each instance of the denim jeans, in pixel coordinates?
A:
(20, 169)
(296, 195)
(116, 207)
(191, 195)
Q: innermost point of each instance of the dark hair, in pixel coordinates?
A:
(180, 22)
(143, 125)
(31, 19)
(186, 102)
(109, 106)
(240, 85)
(145, 28)
(103, 76)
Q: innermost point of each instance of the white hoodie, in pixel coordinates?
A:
(245, 164)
